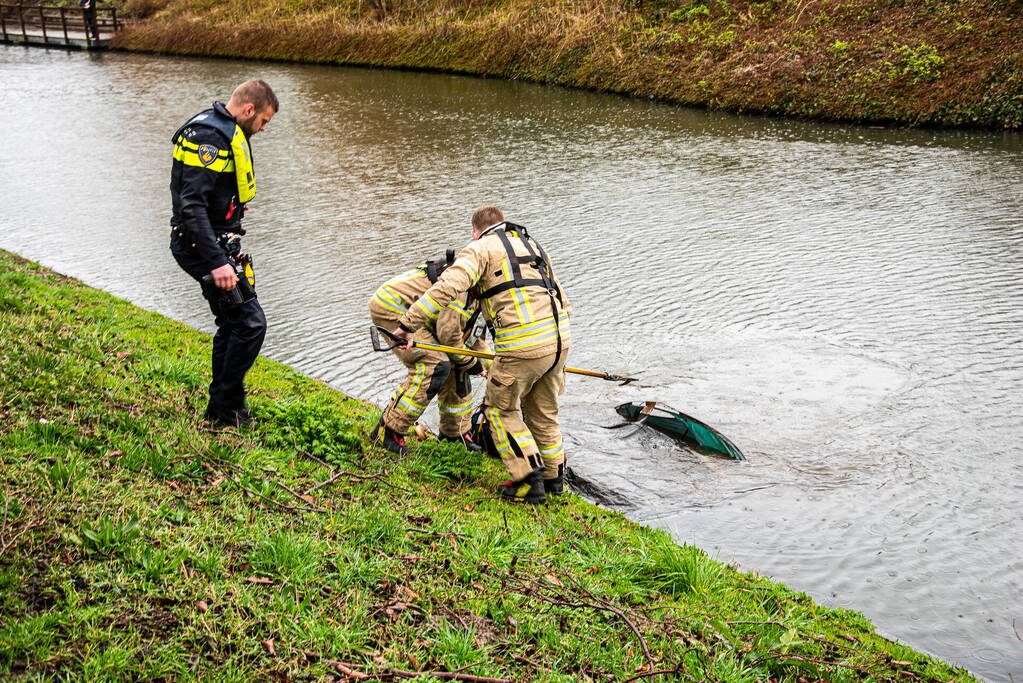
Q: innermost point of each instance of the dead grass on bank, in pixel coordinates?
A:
(933, 61)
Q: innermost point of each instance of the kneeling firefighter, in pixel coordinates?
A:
(522, 299)
(430, 373)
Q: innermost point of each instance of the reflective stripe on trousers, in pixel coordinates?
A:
(522, 413)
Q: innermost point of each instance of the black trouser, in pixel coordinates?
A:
(240, 333)
(90, 20)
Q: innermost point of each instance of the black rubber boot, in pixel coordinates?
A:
(228, 418)
(465, 440)
(528, 490)
(385, 437)
(554, 487)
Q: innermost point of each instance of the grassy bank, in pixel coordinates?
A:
(135, 543)
(941, 62)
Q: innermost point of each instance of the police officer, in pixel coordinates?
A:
(523, 300)
(212, 179)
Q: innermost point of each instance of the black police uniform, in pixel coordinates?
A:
(204, 193)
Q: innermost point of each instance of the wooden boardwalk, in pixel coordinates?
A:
(63, 27)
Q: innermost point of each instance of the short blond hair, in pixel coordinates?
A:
(485, 216)
(258, 93)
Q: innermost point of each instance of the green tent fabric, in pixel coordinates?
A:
(680, 426)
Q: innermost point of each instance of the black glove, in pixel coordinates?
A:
(474, 369)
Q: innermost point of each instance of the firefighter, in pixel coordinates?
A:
(212, 180)
(522, 299)
(430, 373)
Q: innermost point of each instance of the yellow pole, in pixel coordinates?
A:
(485, 354)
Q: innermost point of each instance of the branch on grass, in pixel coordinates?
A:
(289, 508)
(380, 476)
(304, 452)
(351, 672)
(5, 545)
(610, 608)
(298, 496)
(811, 660)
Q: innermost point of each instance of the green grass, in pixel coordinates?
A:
(137, 544)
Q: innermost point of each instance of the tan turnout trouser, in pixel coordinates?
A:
(430, 373)
(522, 413)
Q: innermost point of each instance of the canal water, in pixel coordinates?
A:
(844, 302)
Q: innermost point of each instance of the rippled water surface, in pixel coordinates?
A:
(845, 303)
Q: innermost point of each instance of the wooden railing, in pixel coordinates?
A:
(59, 26)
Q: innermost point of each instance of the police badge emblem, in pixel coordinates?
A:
(208, 154)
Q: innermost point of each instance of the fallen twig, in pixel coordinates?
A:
(297, 495)
(304, 452)
(289, 508)
(352, 475)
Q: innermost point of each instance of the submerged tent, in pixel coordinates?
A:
(679, 426)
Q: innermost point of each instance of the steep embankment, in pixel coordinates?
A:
(136, 544)
(946, 62)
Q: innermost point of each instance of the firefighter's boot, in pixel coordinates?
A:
(465, 440)
(554, 487)
(528, 490)
(385, 437)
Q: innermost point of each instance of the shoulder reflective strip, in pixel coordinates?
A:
(469, 268)
(191, 146)
(390, 300)
(190, 158)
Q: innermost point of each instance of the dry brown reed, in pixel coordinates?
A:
(863, 60)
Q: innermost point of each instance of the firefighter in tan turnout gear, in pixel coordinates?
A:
(430, 373)
(523, 301)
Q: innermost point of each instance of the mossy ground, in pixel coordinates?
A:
(939, 62)
(137, 543)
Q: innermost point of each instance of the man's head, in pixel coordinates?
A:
(253, 104)
(483, 218)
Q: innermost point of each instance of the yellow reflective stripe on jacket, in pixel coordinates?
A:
(389, 300)
(456, 305)
(470, 269)
(428, 306)
(188, 154)
(244, 172)
(388, 296)
(532, 334)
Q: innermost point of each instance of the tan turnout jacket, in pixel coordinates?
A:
(394, 297)
(528, 320)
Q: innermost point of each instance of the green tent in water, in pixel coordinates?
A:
(679, 426)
